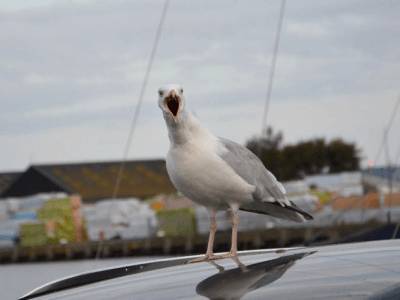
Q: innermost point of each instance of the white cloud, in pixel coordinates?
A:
(71, 73)
(307, 30)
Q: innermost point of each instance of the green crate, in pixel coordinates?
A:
(177, 223)
(54, 209)
(60, 212)
(33, 234)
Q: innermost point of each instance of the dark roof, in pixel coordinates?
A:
(93, 181)
(7, 178)
(362, 270)
(31, 182)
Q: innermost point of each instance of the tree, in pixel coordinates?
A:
(268, 148)
(268, 140)
(342, 156)
(314, 156)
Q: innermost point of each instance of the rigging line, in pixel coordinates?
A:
(397, 158)
(273, 64)
(386, 147)
(140, 99)
(386, 130)
(396, 230)
(135, 118)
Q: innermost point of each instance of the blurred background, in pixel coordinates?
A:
(311, 87)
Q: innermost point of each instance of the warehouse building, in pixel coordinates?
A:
(6, 179)
(93, 181)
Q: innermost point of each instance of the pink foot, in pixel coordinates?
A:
(210, 257)
(204, 258)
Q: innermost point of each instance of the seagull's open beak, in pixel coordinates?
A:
(172, 101)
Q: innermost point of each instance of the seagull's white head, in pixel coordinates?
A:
(171, 101)
(181, 124)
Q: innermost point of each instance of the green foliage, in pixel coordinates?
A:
(314, 156)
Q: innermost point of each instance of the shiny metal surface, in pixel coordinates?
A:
(369, 270)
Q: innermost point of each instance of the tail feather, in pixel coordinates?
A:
(274, 209)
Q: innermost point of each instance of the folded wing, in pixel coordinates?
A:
(269, 196)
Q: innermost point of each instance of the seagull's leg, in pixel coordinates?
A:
(241, 265)
(235, 224)
(210, 245)
(213, 230)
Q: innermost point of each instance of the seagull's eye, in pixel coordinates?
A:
(181, 91)
(160, 92)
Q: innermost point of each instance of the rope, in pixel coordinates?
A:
(385, 146)
(340, 215)
(397, 157)
(140, 99)
(386, 130)
(395, 231)
(100, 246)
(273, 65)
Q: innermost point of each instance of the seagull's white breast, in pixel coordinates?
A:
(199, 173)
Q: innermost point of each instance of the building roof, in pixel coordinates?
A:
(6, 179)
(94, 181)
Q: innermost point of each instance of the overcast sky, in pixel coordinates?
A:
(70, 73)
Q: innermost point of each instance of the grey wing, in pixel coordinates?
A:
(248, 166)
(270, 195)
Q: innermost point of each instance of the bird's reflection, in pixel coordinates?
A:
(235, 283)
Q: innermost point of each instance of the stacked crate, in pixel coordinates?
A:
(58, 222)
(56, 215)
(177, 222)
(33, 234)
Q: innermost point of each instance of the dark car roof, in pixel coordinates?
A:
(369, 270)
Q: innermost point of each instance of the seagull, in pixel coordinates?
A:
(218, 173)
